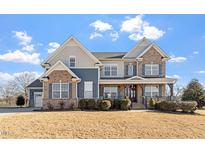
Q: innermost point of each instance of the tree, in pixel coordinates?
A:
(8, 92)
(20, 101)
(21, 81)
(195, 92)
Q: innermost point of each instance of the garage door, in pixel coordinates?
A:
(38, 99)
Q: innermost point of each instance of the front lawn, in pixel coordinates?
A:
(80, 124)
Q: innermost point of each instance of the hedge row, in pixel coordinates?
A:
(173, 106)
(104, 104)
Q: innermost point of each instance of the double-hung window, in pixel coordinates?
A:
(110, 92)
(110, 70)
(151, 90)
(88, 89)
(130, 69)
(60, 90)
(151, 69)
(72, 61)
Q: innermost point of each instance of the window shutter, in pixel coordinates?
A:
(160, 70)
(126, 69)
(50, 91)
(70, 90)
(134, 70)
(160, 90)
(143, 69)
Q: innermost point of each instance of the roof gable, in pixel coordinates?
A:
(72, 41)
(159, 50)
(137, 49)
(59, 66)
(142, 47)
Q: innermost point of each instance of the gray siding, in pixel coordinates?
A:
(87, 74)
(31, 96)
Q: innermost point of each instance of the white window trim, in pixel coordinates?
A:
(110, 90)
(132, 70)
(60, 90)
(69, 61)
(151, 69)
(151, 89)
(88, 91)
(110, 65)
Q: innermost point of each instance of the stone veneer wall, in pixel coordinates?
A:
(58, 76)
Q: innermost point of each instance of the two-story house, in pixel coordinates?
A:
(73, 72)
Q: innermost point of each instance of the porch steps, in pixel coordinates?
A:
(137, 106)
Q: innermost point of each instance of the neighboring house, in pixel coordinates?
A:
(73, 72)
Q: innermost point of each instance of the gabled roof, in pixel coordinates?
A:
(59, 66)
(161, 52)
(109, 55)
(142, 47)
(35, 83)
(138, 48)
(135, 78)
(59, 49)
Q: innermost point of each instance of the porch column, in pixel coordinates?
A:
(171, 87)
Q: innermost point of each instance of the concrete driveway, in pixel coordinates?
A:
(7, 110)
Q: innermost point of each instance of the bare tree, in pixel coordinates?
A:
(21, 81)
(8, 92)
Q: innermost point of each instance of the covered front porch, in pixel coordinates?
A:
(137, 92)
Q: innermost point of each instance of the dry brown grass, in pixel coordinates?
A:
(102, 125)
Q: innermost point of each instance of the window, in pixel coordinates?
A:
(110, 70)
(151, 69)
(151, 91)
(60, 90)
(130, 69)
(72, 61)
(88, 89)
(110, 92)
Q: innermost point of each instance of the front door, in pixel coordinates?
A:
(132, 93)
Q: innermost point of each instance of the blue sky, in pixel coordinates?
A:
(25, 40)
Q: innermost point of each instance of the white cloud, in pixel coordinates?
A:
(140, 28)
(101, 26)
(135, 36)
(201, 72)
(174, 76)
(29, 48)
(23, 37)
(114, 35)
(94, 35)
(175, 59)
(21, 57)
(132, 24)
(5, 77)
(196, 52)
(53, 46)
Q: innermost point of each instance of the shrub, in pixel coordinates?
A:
(87, 104)
(62, 104)
(90, 104)
(82, 104)
(168, 106)
(20, 101)
(111, 101)
(152, 103)
(117, 104)
(188, 106)
(104, 105)
(125, 104)
(50, 107)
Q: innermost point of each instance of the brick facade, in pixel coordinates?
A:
(152, 56)
(58, 76)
